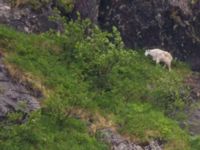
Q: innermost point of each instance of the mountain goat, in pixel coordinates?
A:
(159, 55)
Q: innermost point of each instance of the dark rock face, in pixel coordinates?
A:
(167, 24)
(14, 96)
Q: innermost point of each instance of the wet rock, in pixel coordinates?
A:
(117, 142)
(14, 96)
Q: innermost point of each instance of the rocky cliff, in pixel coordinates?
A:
(169, 24)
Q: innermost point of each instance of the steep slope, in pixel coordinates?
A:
(94, 72)
(169, 24)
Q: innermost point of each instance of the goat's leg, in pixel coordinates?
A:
(169, 66)
(157, 61)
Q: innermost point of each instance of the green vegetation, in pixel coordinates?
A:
(195, 142)
(67, 4)
(90, 69)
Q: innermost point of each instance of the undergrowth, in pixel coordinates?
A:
(88, 68)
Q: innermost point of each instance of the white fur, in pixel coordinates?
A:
(159, 55)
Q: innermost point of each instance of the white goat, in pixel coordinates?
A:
(159, 55)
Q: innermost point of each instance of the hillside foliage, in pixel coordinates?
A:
(88, 68)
